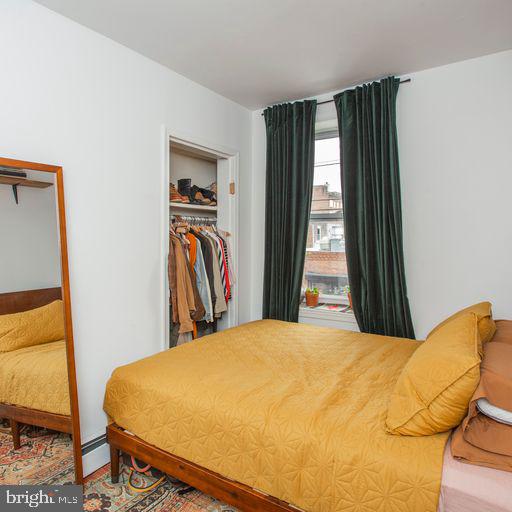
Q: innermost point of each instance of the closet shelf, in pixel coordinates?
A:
(192, 207)
(22, 182)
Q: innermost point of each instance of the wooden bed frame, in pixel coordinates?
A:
(229, 491)
(18, 415)
(16, 302)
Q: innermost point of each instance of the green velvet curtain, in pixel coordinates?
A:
(370, 180)
(289, 188)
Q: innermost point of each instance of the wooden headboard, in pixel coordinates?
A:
(15, 302)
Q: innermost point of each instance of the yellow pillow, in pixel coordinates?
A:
(33, 327)
(486, 325)
(433, 391)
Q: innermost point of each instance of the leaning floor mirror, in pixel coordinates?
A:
(39, 422)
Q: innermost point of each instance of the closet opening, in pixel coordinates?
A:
(201, 292)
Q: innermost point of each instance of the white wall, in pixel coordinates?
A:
(73, 97)
(29, 254)
(258, 213)
(455, 144)
(456, 170)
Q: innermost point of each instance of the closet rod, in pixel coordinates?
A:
(194, 218)
(407, 80)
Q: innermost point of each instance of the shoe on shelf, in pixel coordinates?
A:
(208, 194)
(184, 186)
(212, 189)
(175, 196)
(198, 197)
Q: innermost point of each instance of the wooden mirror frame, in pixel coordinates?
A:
(66, 298)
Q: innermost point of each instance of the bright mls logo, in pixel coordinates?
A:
(41, 498)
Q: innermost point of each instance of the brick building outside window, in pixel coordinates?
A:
(325, 266)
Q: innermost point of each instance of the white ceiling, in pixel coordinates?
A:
(259, 52)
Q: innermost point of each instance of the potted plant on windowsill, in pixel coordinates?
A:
(349, 295)
(312, 297)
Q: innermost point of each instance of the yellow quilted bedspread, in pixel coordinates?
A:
(296, 411)
(36, 377)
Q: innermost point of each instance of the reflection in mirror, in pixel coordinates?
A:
(36, 423)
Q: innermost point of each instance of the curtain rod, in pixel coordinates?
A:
(407, 80)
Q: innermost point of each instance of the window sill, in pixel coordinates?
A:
(331, 316)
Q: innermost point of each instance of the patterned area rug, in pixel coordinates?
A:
(101, 495)
(46, 457)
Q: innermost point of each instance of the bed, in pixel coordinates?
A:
(469, 488)
(34, 386)
(277, 416)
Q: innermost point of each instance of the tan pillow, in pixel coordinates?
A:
(503, 332)
(434, 389)
(480, 439)
(33, 327)
(486, 325)
(471, 454)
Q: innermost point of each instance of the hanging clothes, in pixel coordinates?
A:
(224, 273)
(225, 236)
(220, 301)
(224, 250)
(203, 284)
(199, 310)
(200, 276)
(183, 296)
(218, 275)
(207, 257)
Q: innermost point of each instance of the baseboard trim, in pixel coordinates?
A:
(93, 444)
(96, 456)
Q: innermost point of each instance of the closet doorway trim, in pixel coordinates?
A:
(228, 170)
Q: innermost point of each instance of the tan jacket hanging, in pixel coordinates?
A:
(183, 298)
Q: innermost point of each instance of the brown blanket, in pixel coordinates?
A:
(480, 439)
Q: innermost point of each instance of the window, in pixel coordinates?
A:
(326, 267)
